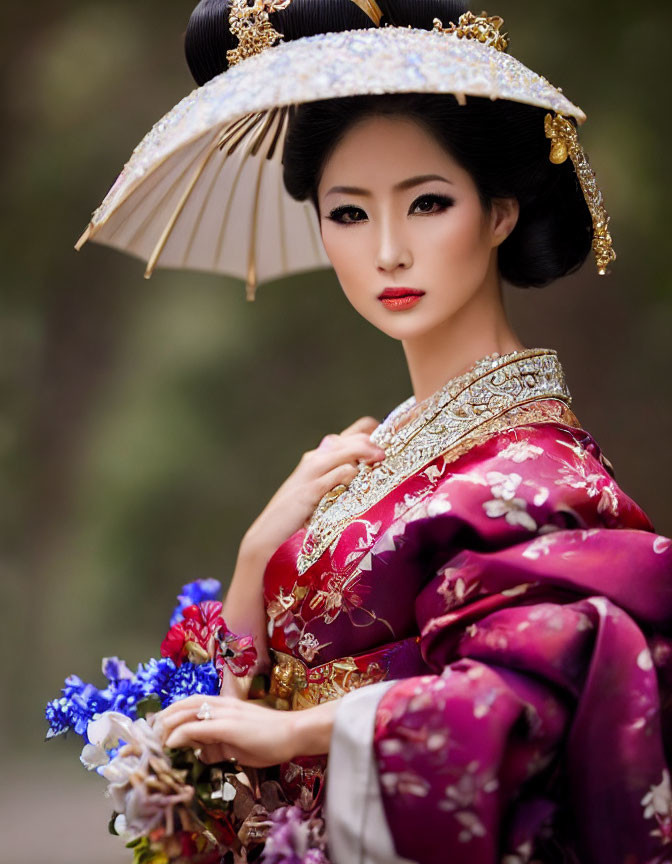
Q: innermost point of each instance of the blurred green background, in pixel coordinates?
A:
(146, 424)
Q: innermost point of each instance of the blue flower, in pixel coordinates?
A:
(57, 716)
(190, 678)
(195, 592)
(72, 712)
(155, 676)
(170, 682)
(80, 701)
(124, 696)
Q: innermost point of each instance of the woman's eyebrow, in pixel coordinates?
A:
(404, 184)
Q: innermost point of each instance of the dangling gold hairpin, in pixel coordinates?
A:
(561, 131)
(564, 143)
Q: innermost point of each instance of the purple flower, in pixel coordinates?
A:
(116, 670)
(193, 593)
(297, 837)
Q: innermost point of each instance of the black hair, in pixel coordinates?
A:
(500, 143)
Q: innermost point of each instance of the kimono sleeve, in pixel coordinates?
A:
(539, 732)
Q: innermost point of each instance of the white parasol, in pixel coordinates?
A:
(203, 190)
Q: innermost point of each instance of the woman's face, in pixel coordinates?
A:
(398, 212)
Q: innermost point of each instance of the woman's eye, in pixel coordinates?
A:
(431, 204)
(347, 215)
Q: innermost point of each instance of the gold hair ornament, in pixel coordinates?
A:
(483, 28)
(255, 33)
(250, 25)
(564, 143)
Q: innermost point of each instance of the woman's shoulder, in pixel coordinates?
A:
(531, 474)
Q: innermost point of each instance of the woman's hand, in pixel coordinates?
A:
(250, 733)
(335, 461)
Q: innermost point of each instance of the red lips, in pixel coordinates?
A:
(400, 292)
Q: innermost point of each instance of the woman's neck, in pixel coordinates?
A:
(450, 349)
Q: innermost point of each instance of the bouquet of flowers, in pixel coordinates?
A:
(167, 804)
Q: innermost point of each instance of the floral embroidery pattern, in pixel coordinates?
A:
(519, 451)
(505, 503)
(338, 595)
(309, 646)
(454, 588)
(658, 803)
(594, 483)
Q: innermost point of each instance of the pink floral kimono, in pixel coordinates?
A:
(495, 615)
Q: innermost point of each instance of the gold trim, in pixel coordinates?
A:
(491, 389)
(295, 686)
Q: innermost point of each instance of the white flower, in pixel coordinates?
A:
(143, 786)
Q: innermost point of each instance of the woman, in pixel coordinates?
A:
(471, 614)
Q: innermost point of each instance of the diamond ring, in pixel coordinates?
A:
(204, 712)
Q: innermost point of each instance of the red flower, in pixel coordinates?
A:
(236, 652)
(202, 635)
(195, 637)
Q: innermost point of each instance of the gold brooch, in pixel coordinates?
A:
(564, 143)
(481, 27)
(250, 25)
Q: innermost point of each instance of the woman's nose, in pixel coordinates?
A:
(393, 250)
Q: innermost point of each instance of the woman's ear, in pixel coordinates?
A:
(503, 218)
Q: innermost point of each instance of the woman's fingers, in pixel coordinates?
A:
(364, 424)
(188, 709)
(328, 442)
(251, 734)
(348, 449)
(343, 474)
(199, 733)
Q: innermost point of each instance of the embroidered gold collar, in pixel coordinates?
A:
(492, 387)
